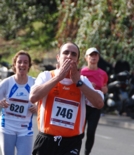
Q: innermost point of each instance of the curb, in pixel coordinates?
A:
(117, 121)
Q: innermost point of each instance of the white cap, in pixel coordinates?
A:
(91, 50)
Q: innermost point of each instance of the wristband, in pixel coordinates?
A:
(79, 83)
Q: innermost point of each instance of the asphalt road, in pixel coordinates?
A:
(111, 140)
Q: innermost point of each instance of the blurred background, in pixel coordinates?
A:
(41, 26)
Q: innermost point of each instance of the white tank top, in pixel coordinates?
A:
(17, 114)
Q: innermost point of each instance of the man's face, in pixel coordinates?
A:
(68, 51)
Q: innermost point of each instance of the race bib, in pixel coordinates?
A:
(64, 113)
(17, 107)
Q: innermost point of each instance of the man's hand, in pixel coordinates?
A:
(74, 72)
(64, 69)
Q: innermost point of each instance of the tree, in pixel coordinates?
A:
(105, 24)
(20, 15)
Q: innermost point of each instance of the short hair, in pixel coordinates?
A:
(21, 52)
(74, 45)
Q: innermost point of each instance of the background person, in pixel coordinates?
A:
(61, 111)
(99, 79)
(17, 111)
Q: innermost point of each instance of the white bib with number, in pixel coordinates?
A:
(17, 107)
(18, 101)
(64, 113)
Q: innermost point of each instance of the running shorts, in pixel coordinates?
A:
(57, 145)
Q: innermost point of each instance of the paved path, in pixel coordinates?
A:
(117, 121)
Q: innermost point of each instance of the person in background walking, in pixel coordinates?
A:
(99, 79)
(61, 108)
(17, 111)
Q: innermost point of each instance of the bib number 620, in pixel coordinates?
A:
(17, 108)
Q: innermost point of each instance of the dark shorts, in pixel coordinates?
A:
(56, 145)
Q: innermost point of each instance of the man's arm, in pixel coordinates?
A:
(87, 89)
(38, 92)
(95, 98)
(43, 89)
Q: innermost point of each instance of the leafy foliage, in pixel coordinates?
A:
(21, 15)
(105, 24)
